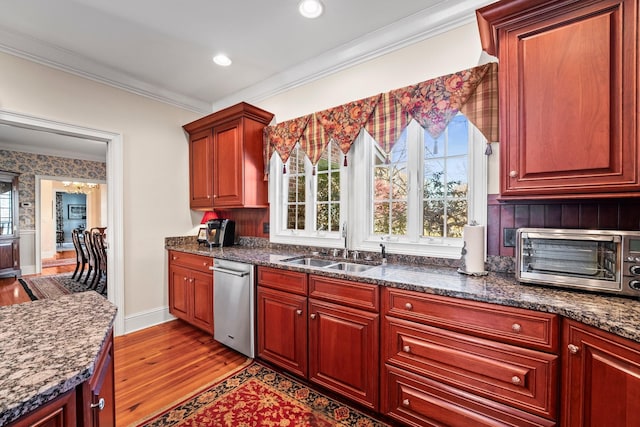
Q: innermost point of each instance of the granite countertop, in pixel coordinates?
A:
(618, 315)
(48, 347)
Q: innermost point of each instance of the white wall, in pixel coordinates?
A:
(156, 200)
(444, 54)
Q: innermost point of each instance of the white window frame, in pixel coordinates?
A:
(355, 199)
(278, 184)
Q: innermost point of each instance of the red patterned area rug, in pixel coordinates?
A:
(259, 396)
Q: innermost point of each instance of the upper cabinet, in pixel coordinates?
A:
(9, 235)
(226, 161)
(568, 96)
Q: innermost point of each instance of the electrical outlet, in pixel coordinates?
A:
(265, 227)
(509, 237)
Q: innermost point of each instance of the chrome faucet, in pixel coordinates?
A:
(345, 252)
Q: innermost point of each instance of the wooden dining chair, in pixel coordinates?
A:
(101, 257)
(91, 257)
(81, 254)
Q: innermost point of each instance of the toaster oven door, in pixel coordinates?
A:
(588, 261)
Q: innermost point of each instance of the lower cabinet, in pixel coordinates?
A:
(322, 329)
(601, 378)
(191, 289)
(60, 412)
(442, 368)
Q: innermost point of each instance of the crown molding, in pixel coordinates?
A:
(41, 52)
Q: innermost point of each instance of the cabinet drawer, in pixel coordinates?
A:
(419, 401)
(506, 324)
(345, 292)
(526, 379)
(192, 261)
(284, 280)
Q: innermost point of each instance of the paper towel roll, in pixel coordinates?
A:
(473, 236)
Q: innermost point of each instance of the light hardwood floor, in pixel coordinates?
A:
(154, 367)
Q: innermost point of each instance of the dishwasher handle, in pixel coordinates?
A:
(227, 271)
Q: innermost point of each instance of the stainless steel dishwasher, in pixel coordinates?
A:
(233, 305)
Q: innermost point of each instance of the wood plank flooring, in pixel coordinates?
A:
(164, 364)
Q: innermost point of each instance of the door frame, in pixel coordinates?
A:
(115, 196)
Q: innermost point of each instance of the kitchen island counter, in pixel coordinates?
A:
(48, 347)
(618, 315)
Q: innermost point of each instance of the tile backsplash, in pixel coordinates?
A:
(606, 214)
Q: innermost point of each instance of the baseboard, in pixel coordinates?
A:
(146, 319)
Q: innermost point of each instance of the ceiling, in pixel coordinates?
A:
(163, 49)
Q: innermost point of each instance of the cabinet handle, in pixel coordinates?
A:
(313, 316)
(406, 349)
(516, 328)
(408, 306)
(515, 380)
(573, 349)
(298, 312)
(99, 405)
(513, 174)
(405, 403)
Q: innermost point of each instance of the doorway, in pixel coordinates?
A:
(114, 195)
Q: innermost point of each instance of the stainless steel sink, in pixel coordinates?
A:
(347, 267)
(350, 267)
(311, 262)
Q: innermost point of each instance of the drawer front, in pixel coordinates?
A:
(353, 294)
(283, 280)
(192, 261)
(519, 377)
(419, 401)
(511, 325)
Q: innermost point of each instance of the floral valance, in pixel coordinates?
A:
(432, 103)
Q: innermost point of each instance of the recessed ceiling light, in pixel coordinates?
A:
(310, 8)
(222, 60)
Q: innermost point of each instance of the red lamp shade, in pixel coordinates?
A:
(207, 216)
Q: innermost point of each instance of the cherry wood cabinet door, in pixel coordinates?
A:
(568, 96)
(202, 300)
(60, 412)
(180, 292)
(344, 351)
(282, 329)
(201, 171)
(601, 378)
(228, 148)
(97, 407)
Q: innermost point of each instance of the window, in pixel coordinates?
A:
(416, 199)
(311, 197)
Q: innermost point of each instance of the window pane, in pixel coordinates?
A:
(390, 189)
(327, 181)
(446, 183)
(433, 214)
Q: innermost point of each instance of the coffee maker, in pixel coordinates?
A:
(221, 232)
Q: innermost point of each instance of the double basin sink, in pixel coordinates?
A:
(347, 267)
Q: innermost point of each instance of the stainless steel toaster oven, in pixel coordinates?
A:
(594, 260)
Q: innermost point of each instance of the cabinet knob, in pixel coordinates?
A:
(513, 174)
(406, 349)
(174, 258)
(408, 306)
(516, 327)
(573, 349)
(99, 405)
(208, 196)
(298, 312)
(185, 278)
(515, 380)
(405, 403)
(313, 316)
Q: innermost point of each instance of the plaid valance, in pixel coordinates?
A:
(432, 103)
